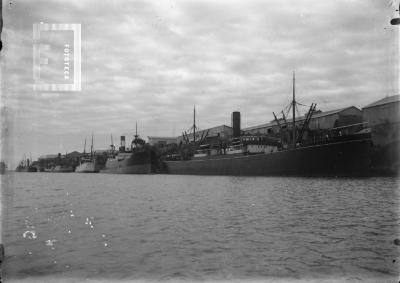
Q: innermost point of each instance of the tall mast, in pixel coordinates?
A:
(84, 148)
(91, 147)
(194, 124)
(136, 131)
(112, 143)
(294, 112)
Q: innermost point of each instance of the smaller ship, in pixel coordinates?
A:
(87, 164)
(3, 167)
(57, 164)
(25, 166)
(140, 158)
(62, 169)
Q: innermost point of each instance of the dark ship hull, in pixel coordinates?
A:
(88, 167)
(138, 162)
(26, 169)
(385, 153)
(62, 169)
(129, 169)
(343, 158)
(2, 168)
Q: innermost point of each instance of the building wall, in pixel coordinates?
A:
(320, 122)
(161, 140)
(264, 130)
(324, 122)
(381, 114)
(48, 156)
(328, 121)
(223, 131)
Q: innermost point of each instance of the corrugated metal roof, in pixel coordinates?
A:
(48, 156)
(326, 113)
(331, 112)
(162, 138)
(386, 100)
(199, 132)
(216, 127)
(266, 125)
(301, 118)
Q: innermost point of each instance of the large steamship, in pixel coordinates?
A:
(350, 154)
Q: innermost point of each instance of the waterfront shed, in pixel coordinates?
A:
(383, 118)
(335, 118)
(263, 129)
(153, 140)
(213, 134)
(385, 110)
(319, 121)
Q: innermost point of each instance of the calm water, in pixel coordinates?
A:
(162, 227)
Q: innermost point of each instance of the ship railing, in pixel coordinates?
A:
(173, 157)
(336, 134)
(336, 138)
(349, 129)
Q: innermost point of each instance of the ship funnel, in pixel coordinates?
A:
(236, 124)
(122, 147)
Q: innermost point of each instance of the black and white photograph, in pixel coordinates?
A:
(200, 141)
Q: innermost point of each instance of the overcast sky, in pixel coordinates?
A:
(151, 61)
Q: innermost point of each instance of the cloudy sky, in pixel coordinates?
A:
(151, 61)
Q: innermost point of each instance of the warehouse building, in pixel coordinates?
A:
(210, 135)
(385, 110)
(383, 119)
(262, 129)
(161, 141)
(319, 121)
(335, 118)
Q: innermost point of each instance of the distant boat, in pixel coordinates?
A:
(62, 169)
(137, 162)
(3, 167)
(25, 166)
(87, 165)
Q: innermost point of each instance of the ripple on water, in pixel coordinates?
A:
(203, 227)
